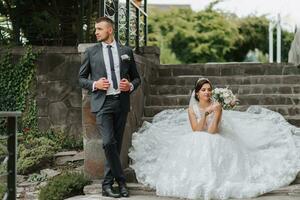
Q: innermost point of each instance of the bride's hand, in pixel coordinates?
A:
(209, 109)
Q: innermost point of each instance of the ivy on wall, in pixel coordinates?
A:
(16, 80)
(17, 93)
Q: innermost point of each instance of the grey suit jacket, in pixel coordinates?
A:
(93, 65)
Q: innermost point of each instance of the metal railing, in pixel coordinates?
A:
(11, 158)
(131, 21)
(72, 22)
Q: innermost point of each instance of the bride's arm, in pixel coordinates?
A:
(196, 126)
(214, 126)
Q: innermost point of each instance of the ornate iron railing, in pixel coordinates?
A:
(72, 22)
(130, 20)
(11, 158)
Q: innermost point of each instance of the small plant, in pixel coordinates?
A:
(2, 190)
(37, 178)
(64, 186)
(35, 154)
(64, 141)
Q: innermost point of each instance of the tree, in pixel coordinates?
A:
(210, 37)
(253, 31)
(48, 22)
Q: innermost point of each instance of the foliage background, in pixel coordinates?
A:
(183, 35)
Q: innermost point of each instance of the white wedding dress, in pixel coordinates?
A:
(255, 152)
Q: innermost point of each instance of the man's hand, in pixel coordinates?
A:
(102, 84)
(124, 85)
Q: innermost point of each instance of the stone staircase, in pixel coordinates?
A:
(274, 86)
(292, 191)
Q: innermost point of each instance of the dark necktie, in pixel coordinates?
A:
(112, 68)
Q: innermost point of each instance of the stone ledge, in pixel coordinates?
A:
(45, 50)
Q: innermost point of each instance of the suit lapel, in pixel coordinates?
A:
(121, 52)
(100, 59)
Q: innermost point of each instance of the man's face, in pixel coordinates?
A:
(103, 31)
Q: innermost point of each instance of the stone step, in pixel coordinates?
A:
(134, 189)
(189, 80)
(297, 180)
(294, 120)
(285, 110)
(291, 190)
(227, 69)
(236, 89)
(246, 99)
(139, 189)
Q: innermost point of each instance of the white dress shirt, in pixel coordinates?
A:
(116, 58)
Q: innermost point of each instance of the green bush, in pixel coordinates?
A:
(64, 141)
(35, 154)
(2, 190)
(64, 186)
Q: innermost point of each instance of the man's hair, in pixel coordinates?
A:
(106, 19)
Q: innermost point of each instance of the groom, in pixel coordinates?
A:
(113, 76)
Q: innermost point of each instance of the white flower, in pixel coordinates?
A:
(225, 97)
(125, 57)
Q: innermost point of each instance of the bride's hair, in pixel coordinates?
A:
(198, 85)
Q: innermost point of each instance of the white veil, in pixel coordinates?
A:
(193, 102)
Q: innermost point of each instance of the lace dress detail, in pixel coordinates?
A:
(255, 152)
(198, 112)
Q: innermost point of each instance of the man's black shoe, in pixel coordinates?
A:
(123, 190)
(108, 192)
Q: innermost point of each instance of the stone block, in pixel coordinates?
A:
(88, 117)
(285, 90)
(94, 159)
(58, 113)
(42, 106)
(74, 116)
(44, 124)
(90, 132)
(296, 90)
(226, 71)
(49, 62)
(75, 129)
(164, 72)
(212, 71)
(75, 99)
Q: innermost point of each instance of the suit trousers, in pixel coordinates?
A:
(111, 121)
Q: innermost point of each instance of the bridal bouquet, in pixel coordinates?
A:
(225, 97)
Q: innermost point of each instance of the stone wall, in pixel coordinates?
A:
(57, 93)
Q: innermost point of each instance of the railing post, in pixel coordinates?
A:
(145, 23)
(278, 40)
(16, 28)
(117, 20)
(81, 13)
(101, 8)
(127, 22)
(270, 42)
(12, 157)
(137, 38)
(12, 153)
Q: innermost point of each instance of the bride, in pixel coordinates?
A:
(209, 153)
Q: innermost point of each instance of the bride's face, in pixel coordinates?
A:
(205, 92)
